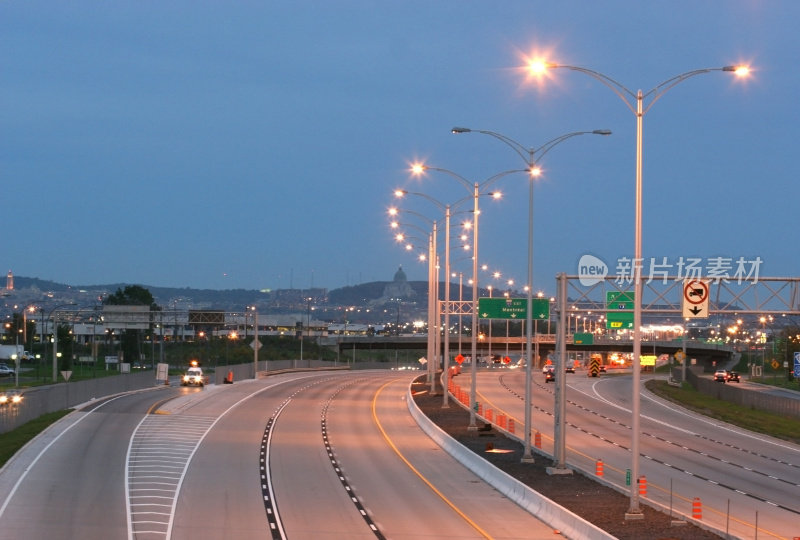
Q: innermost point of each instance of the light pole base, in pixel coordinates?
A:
(527, 459)
(558, 470)
(634, 516)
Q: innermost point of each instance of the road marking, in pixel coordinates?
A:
(159, 453)
(193, 437)
(419, 474)
(336, 467)
(45, 449)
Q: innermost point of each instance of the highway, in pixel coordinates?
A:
(300, 456)
(744, 481)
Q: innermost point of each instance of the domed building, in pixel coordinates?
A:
(398, 288)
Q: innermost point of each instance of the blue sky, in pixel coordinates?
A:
(257, 144)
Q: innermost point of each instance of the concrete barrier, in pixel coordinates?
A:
(41, 400)
(553, 514)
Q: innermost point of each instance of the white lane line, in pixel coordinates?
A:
(191, 448)
(42, 452)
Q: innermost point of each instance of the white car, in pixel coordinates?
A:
(6, 371)
(193, 377)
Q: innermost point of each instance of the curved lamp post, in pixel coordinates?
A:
(446, 209)
(531, 156)
(636, 103)
(433, 275)
(476, 189)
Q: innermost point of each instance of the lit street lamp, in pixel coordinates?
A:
(476, 189)
(256, 343)
(531, 156)
(446, 209)
(636, 103)
(433, 277)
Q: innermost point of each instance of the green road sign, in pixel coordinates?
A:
(513, 308)
(583, 338)
(615, 301)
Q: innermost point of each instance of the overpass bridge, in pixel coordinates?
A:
(706, 354)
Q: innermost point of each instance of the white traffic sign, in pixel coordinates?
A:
(255, 345)
(695, 298)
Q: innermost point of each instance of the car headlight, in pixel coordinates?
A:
(3, 399)
(185, 377)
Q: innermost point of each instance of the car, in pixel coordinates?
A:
(733, 376)
(6, 371)
(571, 368)
(550, 375)
(546, 368)
(193, 377)
(10, 398)
(602, 368)
(720, 375)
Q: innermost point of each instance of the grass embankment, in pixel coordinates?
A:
(783, 427)
(13, 440)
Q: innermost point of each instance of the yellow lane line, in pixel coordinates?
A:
(419, 474)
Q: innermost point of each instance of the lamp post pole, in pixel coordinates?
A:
(639, 109)
(531, 156)
(55, 337)
(476, 189)
(447, 209)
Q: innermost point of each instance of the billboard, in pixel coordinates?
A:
(126, 317)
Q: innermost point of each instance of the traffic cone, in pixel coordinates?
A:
(697, 508)
(598, 469)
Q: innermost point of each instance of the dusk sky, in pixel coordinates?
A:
(258, 144)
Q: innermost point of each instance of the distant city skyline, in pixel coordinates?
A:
(258, 145)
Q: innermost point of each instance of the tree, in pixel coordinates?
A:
(132, 295)
(65, 342)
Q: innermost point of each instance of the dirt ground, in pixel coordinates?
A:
(592, 501)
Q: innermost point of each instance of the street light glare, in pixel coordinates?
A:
(537, 66)
(535, 171)
(417, 168)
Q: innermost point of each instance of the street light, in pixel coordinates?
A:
(476, 189)
(433, 274)
(55, 337)
(256, 344)
(446, 208)
(531, 156)
(636, 103)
